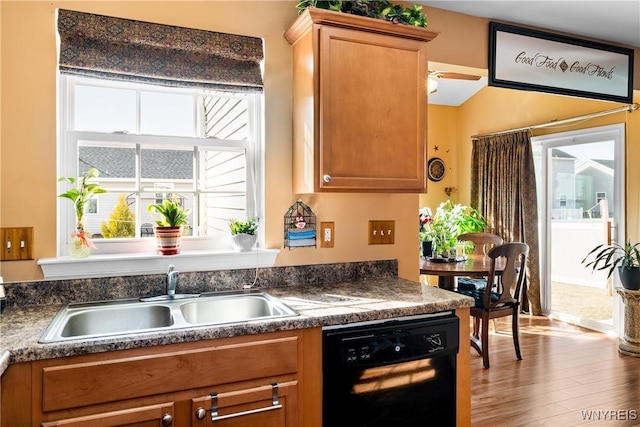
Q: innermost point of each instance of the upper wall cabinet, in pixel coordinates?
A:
(359, 104)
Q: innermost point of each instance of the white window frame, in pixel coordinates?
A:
(113, 257)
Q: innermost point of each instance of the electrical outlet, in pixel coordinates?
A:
(382, 232)
(17, 243)
(327, 234)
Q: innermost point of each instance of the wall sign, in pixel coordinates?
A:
(527, 59)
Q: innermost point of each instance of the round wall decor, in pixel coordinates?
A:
(435, 169)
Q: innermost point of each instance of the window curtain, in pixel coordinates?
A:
(503, 189)
(122, 49)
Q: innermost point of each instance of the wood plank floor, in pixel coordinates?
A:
(568, 376)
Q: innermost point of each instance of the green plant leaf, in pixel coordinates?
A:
(249, 226)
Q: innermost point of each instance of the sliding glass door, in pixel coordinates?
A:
(580, 178)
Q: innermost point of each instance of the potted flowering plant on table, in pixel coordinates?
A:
(450, 221)
(80, 245)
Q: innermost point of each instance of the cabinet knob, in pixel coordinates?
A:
(167, 419)
(326, 178)
(200, 413)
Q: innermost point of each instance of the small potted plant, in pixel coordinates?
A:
(168, 229)
(244, 233)
(626, 259)
(426, 243)
(80, 245)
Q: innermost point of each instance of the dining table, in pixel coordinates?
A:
(447, 271)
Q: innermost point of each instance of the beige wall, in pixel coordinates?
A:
(28, 115)
(495, 109)
(28, 139)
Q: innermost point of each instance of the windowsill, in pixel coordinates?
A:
(113, 265)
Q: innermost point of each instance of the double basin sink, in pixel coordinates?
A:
(121, 317)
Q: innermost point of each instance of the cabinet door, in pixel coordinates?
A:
(147, 416)
(373, 105)
(265, 406)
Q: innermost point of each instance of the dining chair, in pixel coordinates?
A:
(501, 299)
(482, 243)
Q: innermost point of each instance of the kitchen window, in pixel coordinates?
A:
(160, 111)
(150, 143)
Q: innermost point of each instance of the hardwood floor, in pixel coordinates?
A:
(568, 376)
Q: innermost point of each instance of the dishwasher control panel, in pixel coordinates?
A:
(391, 342)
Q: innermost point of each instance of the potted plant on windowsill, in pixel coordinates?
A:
(81, 245)
(244, 233)
(626, 259)
(168, 229)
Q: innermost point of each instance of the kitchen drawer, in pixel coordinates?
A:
(88, 382)
(153, 415)
(263, 406)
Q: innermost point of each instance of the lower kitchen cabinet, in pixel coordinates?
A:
(266, 406)
(265, 380)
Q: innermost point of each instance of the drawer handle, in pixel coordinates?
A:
(326, 178)
(275, 405)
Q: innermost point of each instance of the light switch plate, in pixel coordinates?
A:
(382, 232)
(17, 243)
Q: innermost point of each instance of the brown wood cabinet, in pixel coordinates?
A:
(265, 380)
(359, 104)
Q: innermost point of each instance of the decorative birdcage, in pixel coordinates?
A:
(299, 226)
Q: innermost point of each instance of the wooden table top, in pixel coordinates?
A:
(473, 265)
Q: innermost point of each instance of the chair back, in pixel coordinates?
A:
(508, 286)
(482, 242)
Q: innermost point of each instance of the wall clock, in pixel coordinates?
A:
(435, 169)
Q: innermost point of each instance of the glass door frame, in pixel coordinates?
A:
(546, 143)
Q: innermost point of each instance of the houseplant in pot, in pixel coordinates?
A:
(426, 248)
(168, 229)
(243, 233)
(383, 9)
(626, 259)
(80, 245)
(450, 221)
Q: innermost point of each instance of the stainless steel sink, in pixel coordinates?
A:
(125, 317)
(233, 308)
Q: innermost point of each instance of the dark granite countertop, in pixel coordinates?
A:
(317, 305)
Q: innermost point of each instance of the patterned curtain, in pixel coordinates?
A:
(503, 189)
(123, 49)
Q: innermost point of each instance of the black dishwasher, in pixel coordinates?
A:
(394, 373)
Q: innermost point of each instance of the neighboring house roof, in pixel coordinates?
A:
(120, 162)
(561, 154)
(604, 166)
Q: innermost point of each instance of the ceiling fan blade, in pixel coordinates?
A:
(458, 76)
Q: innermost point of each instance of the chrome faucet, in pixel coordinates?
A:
(172, 281)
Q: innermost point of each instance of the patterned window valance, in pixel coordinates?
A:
(123, 49)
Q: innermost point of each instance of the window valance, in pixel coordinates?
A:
(123, 49)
